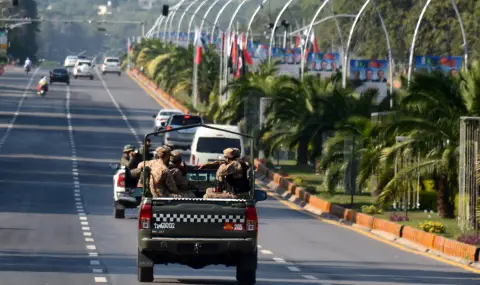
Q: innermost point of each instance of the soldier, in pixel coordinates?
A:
(229, 169)
(162, 183)
(128, 156)
(147, 146)
(179, 171)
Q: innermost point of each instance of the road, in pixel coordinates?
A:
(56, 224)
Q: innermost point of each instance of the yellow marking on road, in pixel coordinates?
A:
(370, 235)
(149, 92)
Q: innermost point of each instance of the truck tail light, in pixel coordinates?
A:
(145, 216)
(193, 159)
(251, 219)
(169, 128)
(121, 180)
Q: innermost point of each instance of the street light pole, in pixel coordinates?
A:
(181, 19)
(192, 18)
(170, 15)
(206, 13)
(217, 17)
(253, 17)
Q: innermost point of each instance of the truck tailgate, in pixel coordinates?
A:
(198, 218)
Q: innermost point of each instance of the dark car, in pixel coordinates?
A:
(59, 75)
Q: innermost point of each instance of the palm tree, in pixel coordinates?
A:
(429, 117)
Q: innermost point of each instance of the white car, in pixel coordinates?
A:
(124, 197)
(111, 65)
(70, 61)
(208, 144)
(163, 116)
(83, 68)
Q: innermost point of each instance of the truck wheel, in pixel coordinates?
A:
(145, 274)
(247, 270)
(91, 77)
(118, 213)
(119, 74)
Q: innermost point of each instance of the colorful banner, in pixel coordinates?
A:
(369, 70)
(323, 62)
(3, 41)
(448, 64)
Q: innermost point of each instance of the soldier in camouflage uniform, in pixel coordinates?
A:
(230, 166)
(162, 183)
(179, 172)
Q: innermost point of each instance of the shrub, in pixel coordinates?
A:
(432, 227)
(398, 218)
(473, 239)
(299, 181)
(371, 210)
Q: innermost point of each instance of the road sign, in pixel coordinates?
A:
(3, 41)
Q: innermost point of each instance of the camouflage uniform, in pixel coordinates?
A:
(234, 168)
(179, 174)
(162, 183)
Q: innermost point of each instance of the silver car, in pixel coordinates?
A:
(162, 117)
(181, 139)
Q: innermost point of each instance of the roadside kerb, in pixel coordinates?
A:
(156, 90)
(408, 236)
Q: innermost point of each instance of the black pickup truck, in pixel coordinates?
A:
(199, 232)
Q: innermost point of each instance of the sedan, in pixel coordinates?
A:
(162, 117)
(59, 75)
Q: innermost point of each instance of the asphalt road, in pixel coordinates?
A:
(56, 224)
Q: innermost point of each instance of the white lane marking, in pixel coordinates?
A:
(94, 262)
(125, 119)
(293, 268)
(264, 251)
(87, 234)
(97, 270)
(89, 240)
(91, 247)
(100, 280)
(92, 254)
(19, 107)
(85, 228)
(259, 246)
(84, 223)
(279, 260)
(311, 277)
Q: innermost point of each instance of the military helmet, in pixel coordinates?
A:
(175, 156)
(128, 148)
(162, 150)
(236, 152)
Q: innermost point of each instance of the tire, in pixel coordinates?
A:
(145, 274)
(119, 74)
(118, 213)
(75, 76)
(247, 270)
(91, 77)
(68, 82)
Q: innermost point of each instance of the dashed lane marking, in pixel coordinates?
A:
(293, 268)
(310, 277)
(89, 241)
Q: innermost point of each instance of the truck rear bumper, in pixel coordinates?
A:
(194, 252)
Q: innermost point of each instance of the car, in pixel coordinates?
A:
(59, 75)
(208, 144)
(162, 116)
(70, 61)
(111, 65)
(181, 139)
(126, 194)
(199, 232)
(83, 68)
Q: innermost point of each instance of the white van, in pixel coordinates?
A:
(208, 144)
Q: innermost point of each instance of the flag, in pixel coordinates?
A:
(246, 55)
(198, 46)
(314, 43)
(298, 41)
(234, 50)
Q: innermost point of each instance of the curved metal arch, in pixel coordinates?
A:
(207, 12)
(323, 20)
(170, 16)
(275, 26)
(170, 27)
(415, 33)
(192, 18)
(389, 47)
(218, 17)
(260, 6)
(158, 27)
(309, 31)
(181, 19)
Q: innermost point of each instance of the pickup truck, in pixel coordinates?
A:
(198, 232)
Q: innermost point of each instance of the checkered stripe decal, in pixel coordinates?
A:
(194, 218)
